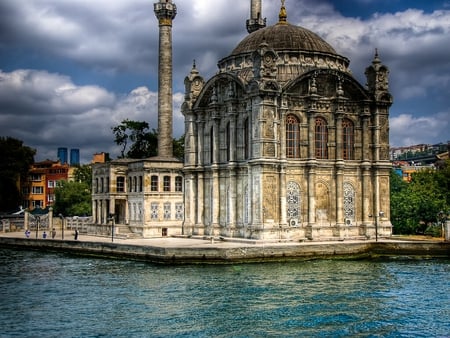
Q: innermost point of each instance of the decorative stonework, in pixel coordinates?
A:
(349, 201)
(257, 87)
(293, 201)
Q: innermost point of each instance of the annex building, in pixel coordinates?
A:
(282, 143)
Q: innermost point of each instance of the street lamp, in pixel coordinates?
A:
(38, 219)
(380, 214)
(442, 217)
(111, 218)
(62, 225)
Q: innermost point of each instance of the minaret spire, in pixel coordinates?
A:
(165, 11)
(256, 21)
(282, 17)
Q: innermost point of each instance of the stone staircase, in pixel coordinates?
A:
(123, 231)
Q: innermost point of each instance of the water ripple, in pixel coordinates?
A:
(56, 295)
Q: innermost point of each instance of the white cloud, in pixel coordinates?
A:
(77, 116)
(408, 130)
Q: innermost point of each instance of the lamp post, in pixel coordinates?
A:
(38, 219)
(377, 219)
(111, 218)
(442, 217)
(62, 225)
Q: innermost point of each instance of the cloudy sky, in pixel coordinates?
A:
(72, 69)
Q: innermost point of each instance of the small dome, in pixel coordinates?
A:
(284, 37)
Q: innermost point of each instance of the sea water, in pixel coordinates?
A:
(58, 295)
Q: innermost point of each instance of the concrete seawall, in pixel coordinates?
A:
(192, 251)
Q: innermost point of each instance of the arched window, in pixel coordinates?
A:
(293, 200)
(292, 137)
(349, 201)
(321, 138)
(348, 141)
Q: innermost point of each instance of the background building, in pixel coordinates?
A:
(74, 157)
(62, 155)
(43, 177)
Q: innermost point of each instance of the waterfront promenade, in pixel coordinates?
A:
(183, 250)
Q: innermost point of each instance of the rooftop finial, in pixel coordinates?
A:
(376, 59)
(283, 14)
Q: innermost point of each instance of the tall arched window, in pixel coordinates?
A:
(321, 138)
(292, 137)
(348, 141)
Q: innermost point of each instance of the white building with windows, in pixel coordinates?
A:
(144, 197)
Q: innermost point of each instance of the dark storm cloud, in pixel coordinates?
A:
(117, 42)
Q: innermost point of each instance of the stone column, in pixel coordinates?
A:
(215, 211)
(311, 173)
(200, 201)
(200, 142)
(165, 11)
(233, 138)
(339, 170)
(232, 201)
(283, 202)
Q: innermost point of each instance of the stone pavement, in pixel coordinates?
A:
(206, 241)
(182, 250)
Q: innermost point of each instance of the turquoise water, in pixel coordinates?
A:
(56, 295)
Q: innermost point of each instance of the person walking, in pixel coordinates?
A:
(76, 234)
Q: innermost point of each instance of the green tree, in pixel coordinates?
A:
(15, 161)
(83, 174)
(73, 199)
(178, 148)
(144, 143)
(137, 141)
(415, 205)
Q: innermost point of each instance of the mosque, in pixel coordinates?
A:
(282, 143)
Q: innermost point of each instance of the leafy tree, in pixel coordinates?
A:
(415, 205)
(73, 199)
(15, 161)
(178, 148)
(144, 143)
(137, 141)
(83, 174)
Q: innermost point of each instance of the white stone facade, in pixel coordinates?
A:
(285, 144)
(145, 196)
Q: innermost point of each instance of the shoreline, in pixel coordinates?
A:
(183, 250)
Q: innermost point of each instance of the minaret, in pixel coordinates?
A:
(256, 21)
(165, 11)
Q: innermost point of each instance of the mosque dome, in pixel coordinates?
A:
(284, 37)
(298, 51)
